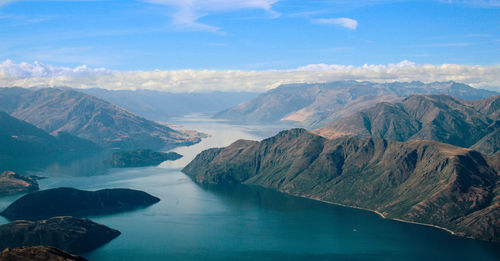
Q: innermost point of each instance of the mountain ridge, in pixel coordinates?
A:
(319, 104)
(442, 118)
(417, 181)
(55, 110)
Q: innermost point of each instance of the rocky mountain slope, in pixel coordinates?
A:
(418, 181)
(37, 253)
(71, 234)
(442, 118)
(317, 105)
(73, 202)
(56, 110)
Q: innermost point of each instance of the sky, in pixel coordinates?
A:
(175, 44)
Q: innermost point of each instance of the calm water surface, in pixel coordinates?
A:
(193, 222)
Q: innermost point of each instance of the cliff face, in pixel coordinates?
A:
(441, 118)
(419, 181)
(67, 233)
(73, 202)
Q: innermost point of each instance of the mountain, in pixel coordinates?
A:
(37, 253)
(67, 233)
(162, 106)
(55, 110)
(12, 183)
(441, 118)
(74, 202)
(319, 104)
(21, 139)
(417, 181)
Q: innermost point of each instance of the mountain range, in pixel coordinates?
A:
(65, 110)
(416, 181)
(442, 118)
(162, 106)
(316, 105)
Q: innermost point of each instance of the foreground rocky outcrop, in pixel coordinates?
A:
(140, 158)
(12, 183)
(37, 253)
(443, 118)
(71, 234)
(73, 202)
(418, 181)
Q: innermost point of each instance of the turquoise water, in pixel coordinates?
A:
(193, 222)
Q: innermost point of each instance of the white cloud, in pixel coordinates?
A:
(188, 12)
(344, 22)
(38, 70)
(41, 75)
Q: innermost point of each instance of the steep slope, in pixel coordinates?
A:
(418, 181)
(55, 110)
(317, 105)
(21, 139)
(441, 118)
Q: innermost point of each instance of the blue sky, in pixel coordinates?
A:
(248, 35)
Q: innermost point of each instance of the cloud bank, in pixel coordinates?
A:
(41, 75)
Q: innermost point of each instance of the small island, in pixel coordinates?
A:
(38, 253)
(78, 235)
(74, 202)
(140, 158)
(12, 183)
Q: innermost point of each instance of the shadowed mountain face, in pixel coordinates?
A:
(73, 202)
(38, 253)
(87, 117)
(67, 233)
(419, 181)
(441, 118)
(21, 139)
(317, 105)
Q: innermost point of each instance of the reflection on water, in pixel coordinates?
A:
(193, 222)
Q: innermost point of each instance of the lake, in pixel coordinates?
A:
(194, 222)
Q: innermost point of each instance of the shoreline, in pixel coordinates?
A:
(383, 216)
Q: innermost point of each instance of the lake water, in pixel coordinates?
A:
(193, 222)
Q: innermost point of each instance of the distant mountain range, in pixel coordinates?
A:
(87, 117)
(442, 118)
(417, 181)
(319, 104)
(161, 106)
